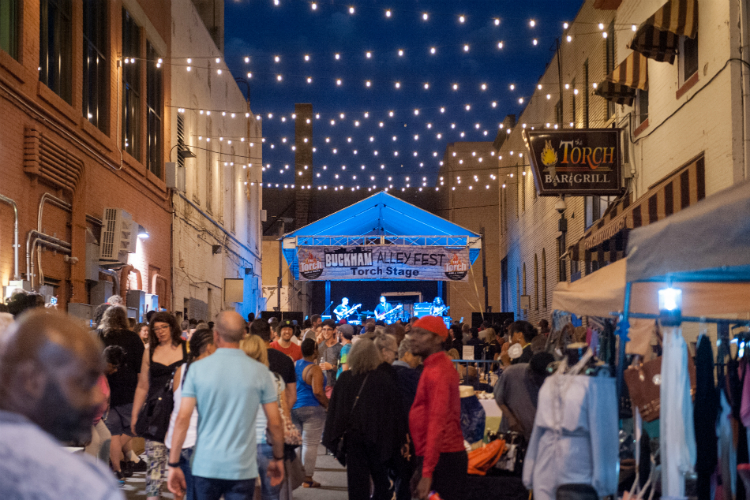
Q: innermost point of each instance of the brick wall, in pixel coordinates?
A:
(702, 121)
(106, 179)
(473, 209)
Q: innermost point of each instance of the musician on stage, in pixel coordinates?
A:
(382, 308)
(438, 307)
(340, 309)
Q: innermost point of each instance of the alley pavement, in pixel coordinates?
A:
(328, 472)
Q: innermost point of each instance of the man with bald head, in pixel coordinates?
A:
(49, 367)
(227, 388)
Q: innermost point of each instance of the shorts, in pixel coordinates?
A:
(118, 420)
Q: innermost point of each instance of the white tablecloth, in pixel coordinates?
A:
(490, 408)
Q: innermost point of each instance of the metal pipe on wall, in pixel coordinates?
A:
(126, 270)
(115, 278)
(16, 246)
(45, 239)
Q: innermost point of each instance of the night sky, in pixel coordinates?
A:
(260, 30)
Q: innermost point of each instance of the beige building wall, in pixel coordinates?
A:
(216, 222)
(475, 209)
(702, 117)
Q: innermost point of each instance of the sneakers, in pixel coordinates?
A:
(126, 469)
(120, 477)
(139, 466)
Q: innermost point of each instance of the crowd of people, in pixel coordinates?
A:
(222, 404)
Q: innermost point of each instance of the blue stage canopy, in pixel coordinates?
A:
(380, 219)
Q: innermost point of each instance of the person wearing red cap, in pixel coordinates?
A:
(435, 416)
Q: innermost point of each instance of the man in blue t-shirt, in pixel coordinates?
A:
(227, 388)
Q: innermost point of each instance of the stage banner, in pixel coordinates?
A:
(391, 262)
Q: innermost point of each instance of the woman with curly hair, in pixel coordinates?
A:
(166, 352)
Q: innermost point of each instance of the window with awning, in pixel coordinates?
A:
(658, 37)
(622, 84)
(606, 240)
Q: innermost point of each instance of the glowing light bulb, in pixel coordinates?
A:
(455, 86)
(569, 38)
(338, 81)
(277, 59)
(307, 57)
(279, 78)
(604, 34)
(466, 48)
(520, 101)
(368, 55)
(461, 19)
(565, 26)
(398, 85)
(314, 6)
(309, 79)
(535, 41)
(388, 13)
(337, 56)
(390, 113)
(497, 22)
(532, 23)
(484, 86)
(634, 28)
(494, 104)
(442, 110)
(512, 87)
(400, 52)
(601, 26)
(433, 50)
(367, 83)
(425, 16)
(499, 45)
(468, 107)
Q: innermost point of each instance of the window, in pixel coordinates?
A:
(688, 58)
(575, 270)
(609, 60)
(518, 292)
(131, 86)
(641, 106)
(586, 94)
(180, 139)
(595, 206)
(9, 27)
(536, 282)
(544, 279)
(562, 271)
(155, 104)
(55, 39)
(95, 68)
(573, 99)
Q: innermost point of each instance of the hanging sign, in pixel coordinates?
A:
(388, 262)
(578, 162)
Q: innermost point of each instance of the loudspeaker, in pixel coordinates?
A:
(266, 315)
(297, 316)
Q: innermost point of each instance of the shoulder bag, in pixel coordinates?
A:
(340, 451)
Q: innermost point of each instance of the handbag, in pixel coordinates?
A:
(644, 383)
(340, 451)
(292, 436)
(515, 452)
(153, 419)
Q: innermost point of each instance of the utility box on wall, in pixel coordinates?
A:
(136, 299)
(234, 290)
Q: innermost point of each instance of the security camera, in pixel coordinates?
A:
(560, 205)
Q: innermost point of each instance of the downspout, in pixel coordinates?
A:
(47, 240)
(126, 270)
(16, 246)
(112, 274)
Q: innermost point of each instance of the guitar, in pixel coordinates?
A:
(438, 311)
(347, 313)
(380, 317)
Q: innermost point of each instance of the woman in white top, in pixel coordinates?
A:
(201, 346)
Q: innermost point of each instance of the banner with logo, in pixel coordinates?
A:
(577, 162)
(389, 262)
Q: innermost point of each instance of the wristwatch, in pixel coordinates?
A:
(173, 464)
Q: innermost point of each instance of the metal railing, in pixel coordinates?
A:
(373, 240)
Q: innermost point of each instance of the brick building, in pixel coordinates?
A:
(91, 115)
(83, 132)
(681, 126)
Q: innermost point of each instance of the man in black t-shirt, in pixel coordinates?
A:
(278, 362)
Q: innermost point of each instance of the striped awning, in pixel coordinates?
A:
(606, 239)
(658, 37)
(621, 85)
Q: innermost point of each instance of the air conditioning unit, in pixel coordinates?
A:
(119, 236)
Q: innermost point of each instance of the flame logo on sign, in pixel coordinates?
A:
(455, 269)
(310, 267)
(549, 155)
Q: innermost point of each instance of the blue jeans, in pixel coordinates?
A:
(265, 454)
(185, 456)
(207, 488)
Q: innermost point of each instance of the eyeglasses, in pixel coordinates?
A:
(160, 328)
